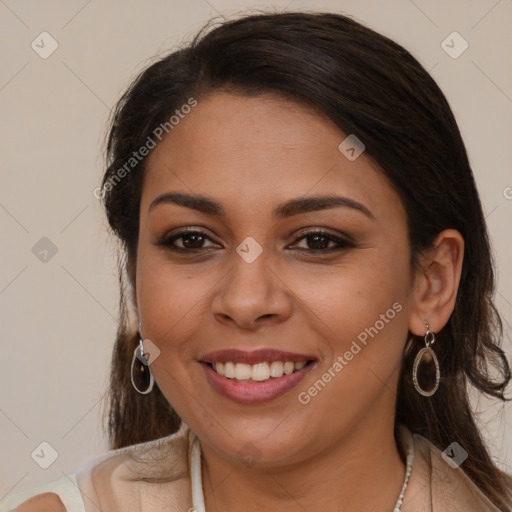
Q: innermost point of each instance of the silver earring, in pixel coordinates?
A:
(426, 357)
(140, 368)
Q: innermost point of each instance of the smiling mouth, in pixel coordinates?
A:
(256, 376)
(260, 372)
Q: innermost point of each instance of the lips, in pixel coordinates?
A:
(243, 384)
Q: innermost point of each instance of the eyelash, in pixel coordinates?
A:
(343, 243)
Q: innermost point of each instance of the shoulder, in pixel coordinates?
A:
(128, 475)
(45, 502)
(437, 483)
(114, 480)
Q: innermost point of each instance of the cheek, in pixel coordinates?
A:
(352, 297)
(361, 310)
(169, 298)
(171, 308)
(363, 320)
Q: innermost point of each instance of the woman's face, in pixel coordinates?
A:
(279, 266)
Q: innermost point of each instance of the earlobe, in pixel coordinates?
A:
(437, 283)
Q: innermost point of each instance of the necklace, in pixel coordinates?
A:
(197, 484)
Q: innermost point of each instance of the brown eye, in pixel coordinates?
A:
(323, 242)
(193, 241)
(317, 242)
(185, 241)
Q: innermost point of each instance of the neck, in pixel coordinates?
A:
(364, 464)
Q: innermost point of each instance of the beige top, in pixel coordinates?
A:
(155, 476)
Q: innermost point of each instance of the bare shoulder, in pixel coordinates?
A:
(45, 502)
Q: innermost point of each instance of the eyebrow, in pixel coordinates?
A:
(290, 208)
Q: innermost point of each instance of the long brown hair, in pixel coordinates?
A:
(369, 86)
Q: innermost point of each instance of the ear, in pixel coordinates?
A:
(436, 283)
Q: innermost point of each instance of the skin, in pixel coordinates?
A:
(250, 155)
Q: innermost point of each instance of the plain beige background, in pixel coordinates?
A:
(59, 315)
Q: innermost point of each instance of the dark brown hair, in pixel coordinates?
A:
(369, 86)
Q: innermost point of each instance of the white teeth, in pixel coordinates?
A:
(288, 367)
(229, 370)
(258, 372)
(276, 369)
(242, 371)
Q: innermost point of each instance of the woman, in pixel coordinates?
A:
(309, 284)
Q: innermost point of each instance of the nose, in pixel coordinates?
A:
(252, 295)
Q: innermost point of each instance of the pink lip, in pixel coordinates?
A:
(254, 357)
(254, 392)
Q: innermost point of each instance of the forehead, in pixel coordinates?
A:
(259, 150)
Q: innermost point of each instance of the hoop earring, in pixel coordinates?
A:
(426, 356)
(143, 369)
